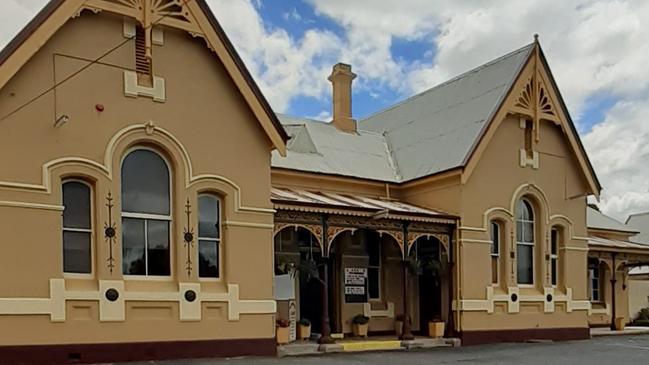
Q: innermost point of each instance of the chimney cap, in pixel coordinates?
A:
(342, 69)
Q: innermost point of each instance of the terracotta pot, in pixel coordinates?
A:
(436, 329)
(282, 335)
(398, 328)
(304, 332)
(360, 330)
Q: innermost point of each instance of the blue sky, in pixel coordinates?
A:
(298, 16)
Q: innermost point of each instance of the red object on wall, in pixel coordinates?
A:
(99, 107)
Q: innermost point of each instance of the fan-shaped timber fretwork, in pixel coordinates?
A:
(545, 105)
(525, 98)
(174, 13)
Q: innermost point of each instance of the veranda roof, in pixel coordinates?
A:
(604, 244)
(352, 204)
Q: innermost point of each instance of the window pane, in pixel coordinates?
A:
(208, 216)
(554, 241)
(208, 259)
(519, 231)
(158, 248)
(145, 183)
(373, 283)
(76, 200)
(494, 269)
(554, 271)
(525, 266)
(528, 232)
(133, 247)
(495, 237)
(374, 253)
(76, 252)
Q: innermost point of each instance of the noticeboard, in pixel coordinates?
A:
(355, 285)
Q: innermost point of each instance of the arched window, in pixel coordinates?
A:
(525, 242)
(555, 237)
(495, 251)
(77, 227)
(146, 214)
(209, 235)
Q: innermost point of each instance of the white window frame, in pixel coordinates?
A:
(531, 244)
(495, 255)
(91, 275)
(217, 240)
(146, 217)
(554, 256)
(591, 288)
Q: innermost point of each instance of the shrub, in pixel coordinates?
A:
(360, 319)
(305, 322)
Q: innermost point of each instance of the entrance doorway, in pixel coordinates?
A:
(427, 253)
(297, 252)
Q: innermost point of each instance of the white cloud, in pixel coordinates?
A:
(619, 149)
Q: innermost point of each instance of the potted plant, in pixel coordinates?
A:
(398, 324)
(304, 329)
(436, 328)
(360, 325)
(282, 331)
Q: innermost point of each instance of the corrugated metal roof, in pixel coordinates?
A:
(599, 242)
(320, 147)
(640, 223)
(598, 220)
(435, 130)
(284, 197)
(425, 134)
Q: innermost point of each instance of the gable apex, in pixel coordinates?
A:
(193, 16)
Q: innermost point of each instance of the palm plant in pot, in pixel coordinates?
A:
(304, 329)
(360, 325)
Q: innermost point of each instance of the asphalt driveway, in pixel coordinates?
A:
(612, 350)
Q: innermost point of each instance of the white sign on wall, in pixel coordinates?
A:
(355, 275)
(354, 290)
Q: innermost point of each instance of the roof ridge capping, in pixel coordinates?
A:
(528, 47)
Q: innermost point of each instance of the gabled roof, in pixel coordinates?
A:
(598, 220)
(319, 147)
(19, 50)
(444, 122)
(445, 128)
(640, 223)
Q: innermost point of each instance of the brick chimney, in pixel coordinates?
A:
(341, 79)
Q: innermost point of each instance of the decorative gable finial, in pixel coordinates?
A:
(536, 38)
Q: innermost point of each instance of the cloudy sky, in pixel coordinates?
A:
(597, 50)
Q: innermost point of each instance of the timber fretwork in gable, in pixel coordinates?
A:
(533, 101)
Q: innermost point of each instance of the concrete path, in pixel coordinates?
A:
(607, 350)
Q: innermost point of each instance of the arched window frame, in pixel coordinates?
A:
(218, 240)
(169, 218)
(496, 238)
(90, 230)
(520, 234)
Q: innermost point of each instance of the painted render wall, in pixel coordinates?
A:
(208, 133)
(488, 193)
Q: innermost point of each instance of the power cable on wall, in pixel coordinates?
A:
(85, 67)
